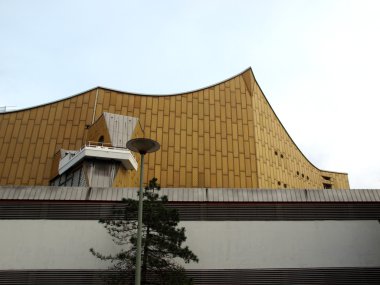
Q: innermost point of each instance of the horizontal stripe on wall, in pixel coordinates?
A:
(194, 211)
(303, 276)
(211, 195)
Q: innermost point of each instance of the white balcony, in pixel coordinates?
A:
(123, 155)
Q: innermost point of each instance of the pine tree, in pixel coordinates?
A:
(162, 241)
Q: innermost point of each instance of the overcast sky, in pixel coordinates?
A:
(317, 61)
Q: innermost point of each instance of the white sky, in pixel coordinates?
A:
(317, 61)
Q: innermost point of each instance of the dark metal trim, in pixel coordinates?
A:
(91, 210)
(344, 275)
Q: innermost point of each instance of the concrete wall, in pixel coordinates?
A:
(48, 244)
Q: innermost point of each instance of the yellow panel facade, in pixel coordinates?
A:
(225, 135)
(129, 178)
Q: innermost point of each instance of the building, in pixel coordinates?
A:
(225, 135)
(256, 211)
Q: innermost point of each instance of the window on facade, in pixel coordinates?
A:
(70, 179)
(327, 186)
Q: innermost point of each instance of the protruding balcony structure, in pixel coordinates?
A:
(103, 161)
(95, 151)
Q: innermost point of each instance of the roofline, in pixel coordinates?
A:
(130, 93)
(286, 131)
(179, 94)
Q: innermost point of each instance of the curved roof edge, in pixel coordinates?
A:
(51, 102)
(286, 131)
(183, 93)
(130, 93)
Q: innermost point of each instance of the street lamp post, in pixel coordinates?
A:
(142, 146)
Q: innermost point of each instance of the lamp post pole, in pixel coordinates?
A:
(142, 146)
(139, 223)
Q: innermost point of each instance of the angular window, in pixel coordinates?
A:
(327, 186)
